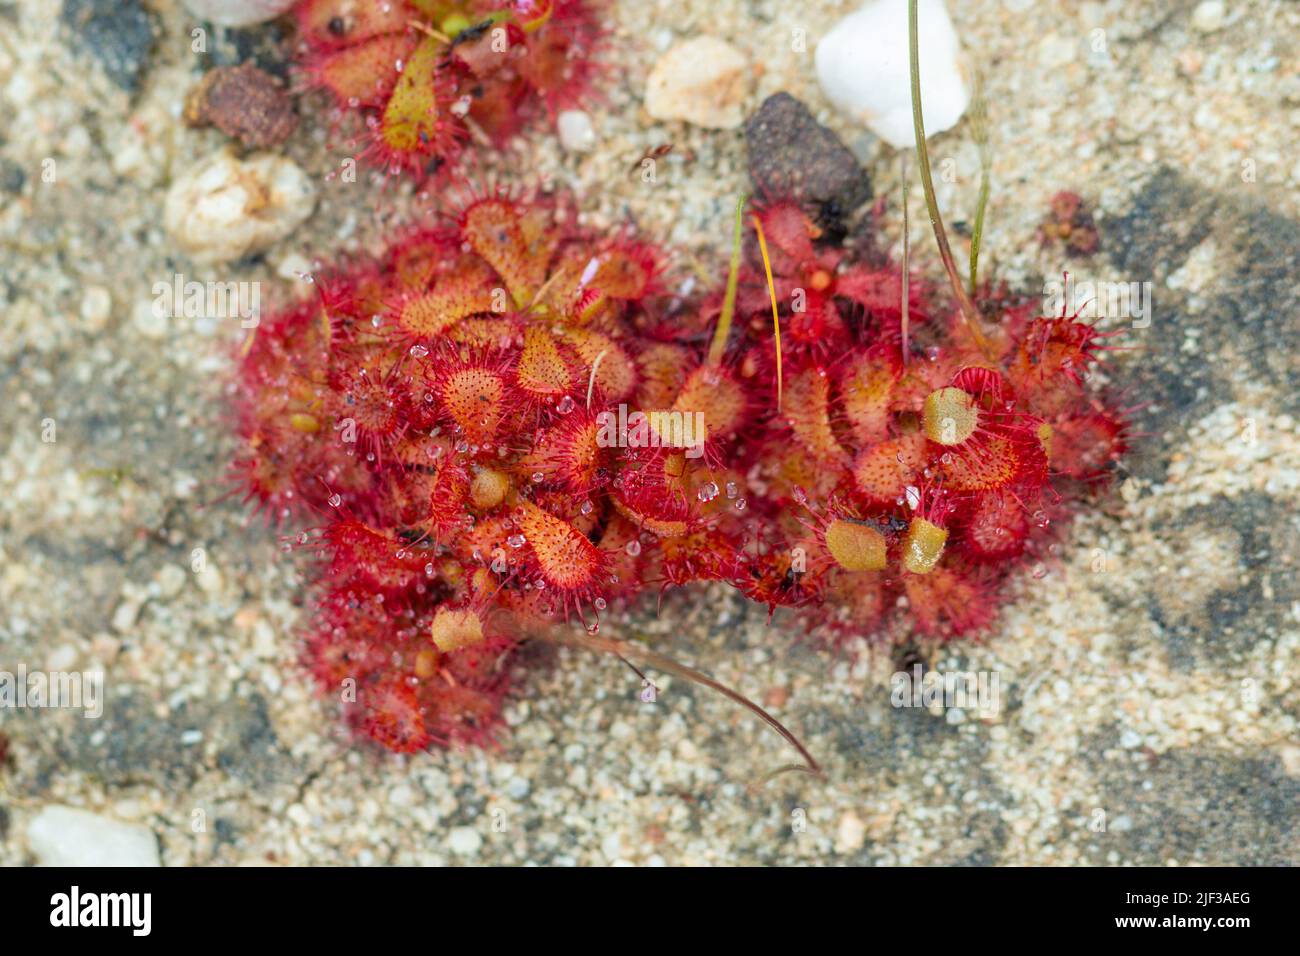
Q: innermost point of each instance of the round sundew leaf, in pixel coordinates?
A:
(807, 408)
(714, 393)
(1083, 445)
(865, 392)
(664, 527)
(883, 471)
(475, 399)
(615, 374)
(662, 367)
(855, 546)
(624, 273)
(494, 229)
(923, 546)
(994, 462)
(488, 488)
(947, 602)
(364, 74)
(455, 628)
(429, 314)
(393, 716)
(415, 120)
(568, 561)
(950, 416)
(542, 370)
(996, 529)
(567, 454)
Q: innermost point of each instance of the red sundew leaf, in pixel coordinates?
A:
(364, 74)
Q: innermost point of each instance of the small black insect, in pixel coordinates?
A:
(470, 34)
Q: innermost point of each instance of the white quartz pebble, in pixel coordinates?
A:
(577, 135)
(703, 81)
(66, 836)
(238, 13)
(225, 207)
(862, 65)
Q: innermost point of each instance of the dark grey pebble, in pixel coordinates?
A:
(118, 33)
(791, 155)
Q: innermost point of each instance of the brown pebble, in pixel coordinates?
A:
(1070, 222)
(244, 102)
(776, 696)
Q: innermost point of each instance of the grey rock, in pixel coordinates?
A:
(12, 177)
(266, 45)
(791, 154)
(118, 33)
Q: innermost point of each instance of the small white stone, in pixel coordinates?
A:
(1130, 740)
(183, 484)
(862, 65)
(850, 834)
(1290, 755)
(1209, 16)
(224, 208)
(238, 13)
(209, 580)
(125, 615)
(96, 306)
(703, 81)
(464, 841)
(577, 135)
(170, 580)
(264, 643)
(130, 809)
(574, 753)
(65, 836)
(151, 322)
(62, 658)
(612, 847)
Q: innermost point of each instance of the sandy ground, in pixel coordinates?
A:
(1149, 689)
